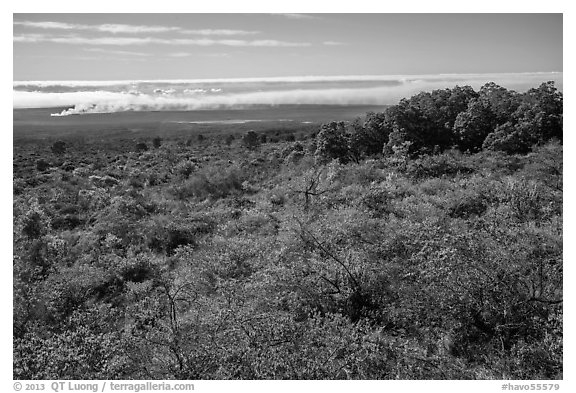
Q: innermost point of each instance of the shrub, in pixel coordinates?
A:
(42, 164)
(450, 163)
(251, 140)
(59, 147)
(220, 185)
(229, 139)
(466, 207)
(277, 199)
(35, 223)
(166, 238)
(185, 168)
(66, 221)
(378, 201)
(526, 199)
(141, 147)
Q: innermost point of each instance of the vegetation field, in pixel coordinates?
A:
(418, 241)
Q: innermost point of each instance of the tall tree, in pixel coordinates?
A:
(332, 143)
(473, 125)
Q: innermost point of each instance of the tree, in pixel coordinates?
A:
(427, 119)
(501, 101)
(157, 142)
(332, 143)
(543, 112)
(409, 124)
(509, 138)
(536, 120)
(368, 138)
(251, 140)
(473, 126)
(59, 147)
(140, 147)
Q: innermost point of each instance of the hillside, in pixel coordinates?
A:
(421, 242)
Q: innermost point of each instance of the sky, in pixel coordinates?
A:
(98, 47)
(103, 63)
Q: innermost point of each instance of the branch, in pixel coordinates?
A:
(330, 254)
(331, 283)
(547, 301)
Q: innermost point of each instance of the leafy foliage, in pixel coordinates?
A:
(493, 118)
(332, 143)
(251, 140)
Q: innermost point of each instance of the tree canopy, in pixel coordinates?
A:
(494, 118)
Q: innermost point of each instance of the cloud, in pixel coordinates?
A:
(189, 54)
(333, 43)
(120, 28)
(460, 79)
(298, 16)
(216, 54)
(219, 32)
(123, 41)
(130, 29)
(178, 98)
(118, 52)
(179, 54)
(107, 28)
(24, 99)
(77, 40)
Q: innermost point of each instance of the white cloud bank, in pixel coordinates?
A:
(461, 79)
(194, 97)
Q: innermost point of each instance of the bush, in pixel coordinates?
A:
(141, 147)
(447, 164)
(35, 223)
(42, 164)
(251, 140)
(168, 237)
(220, 185)
(185, 168)
(526, 199)
(469, 206)
(229, 139)
(59, 147)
